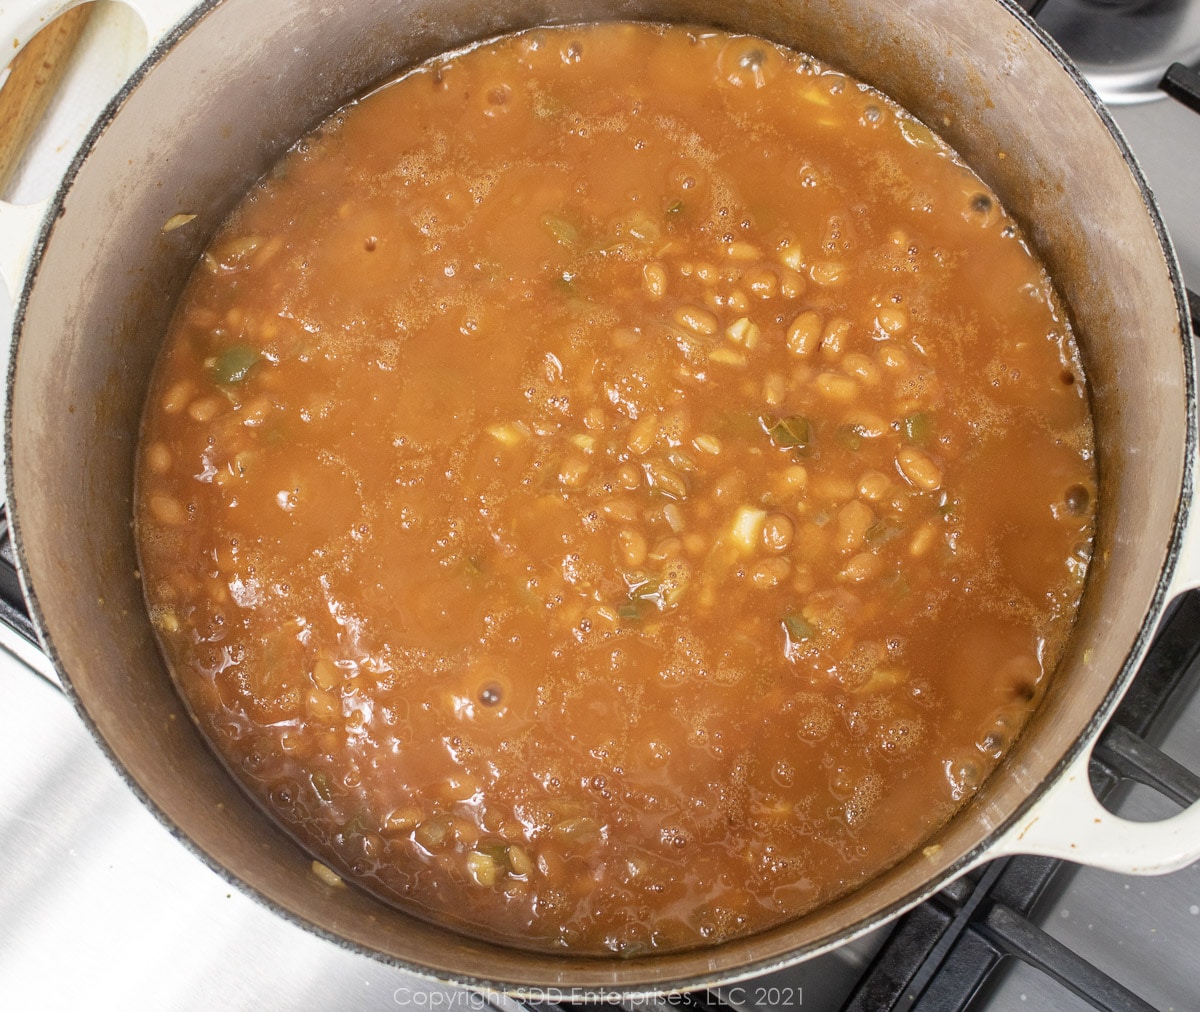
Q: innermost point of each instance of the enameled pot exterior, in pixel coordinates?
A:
(218, 101)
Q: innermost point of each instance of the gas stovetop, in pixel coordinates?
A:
(101, 908)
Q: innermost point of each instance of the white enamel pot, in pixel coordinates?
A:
(229, 84)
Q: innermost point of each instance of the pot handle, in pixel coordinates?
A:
(20, 20)
(19, 228)
(1068, 823)
(1187, 570)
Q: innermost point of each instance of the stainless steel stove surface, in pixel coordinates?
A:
(100, 908)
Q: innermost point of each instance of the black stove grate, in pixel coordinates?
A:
(1182, 83)
(12, 602)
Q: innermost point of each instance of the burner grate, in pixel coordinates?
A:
(12, 602)
(1182, 83)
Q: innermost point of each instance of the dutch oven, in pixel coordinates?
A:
(228, 85)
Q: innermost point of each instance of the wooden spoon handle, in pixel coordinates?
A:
(35, 74)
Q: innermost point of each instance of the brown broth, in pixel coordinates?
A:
(616, 488)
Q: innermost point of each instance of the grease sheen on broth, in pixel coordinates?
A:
(616, 488)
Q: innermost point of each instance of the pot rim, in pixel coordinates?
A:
(976, 855)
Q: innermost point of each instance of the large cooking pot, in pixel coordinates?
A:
(234, 82)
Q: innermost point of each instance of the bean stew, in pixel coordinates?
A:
(615, 488)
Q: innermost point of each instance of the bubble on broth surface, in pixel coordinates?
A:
(900, 734)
